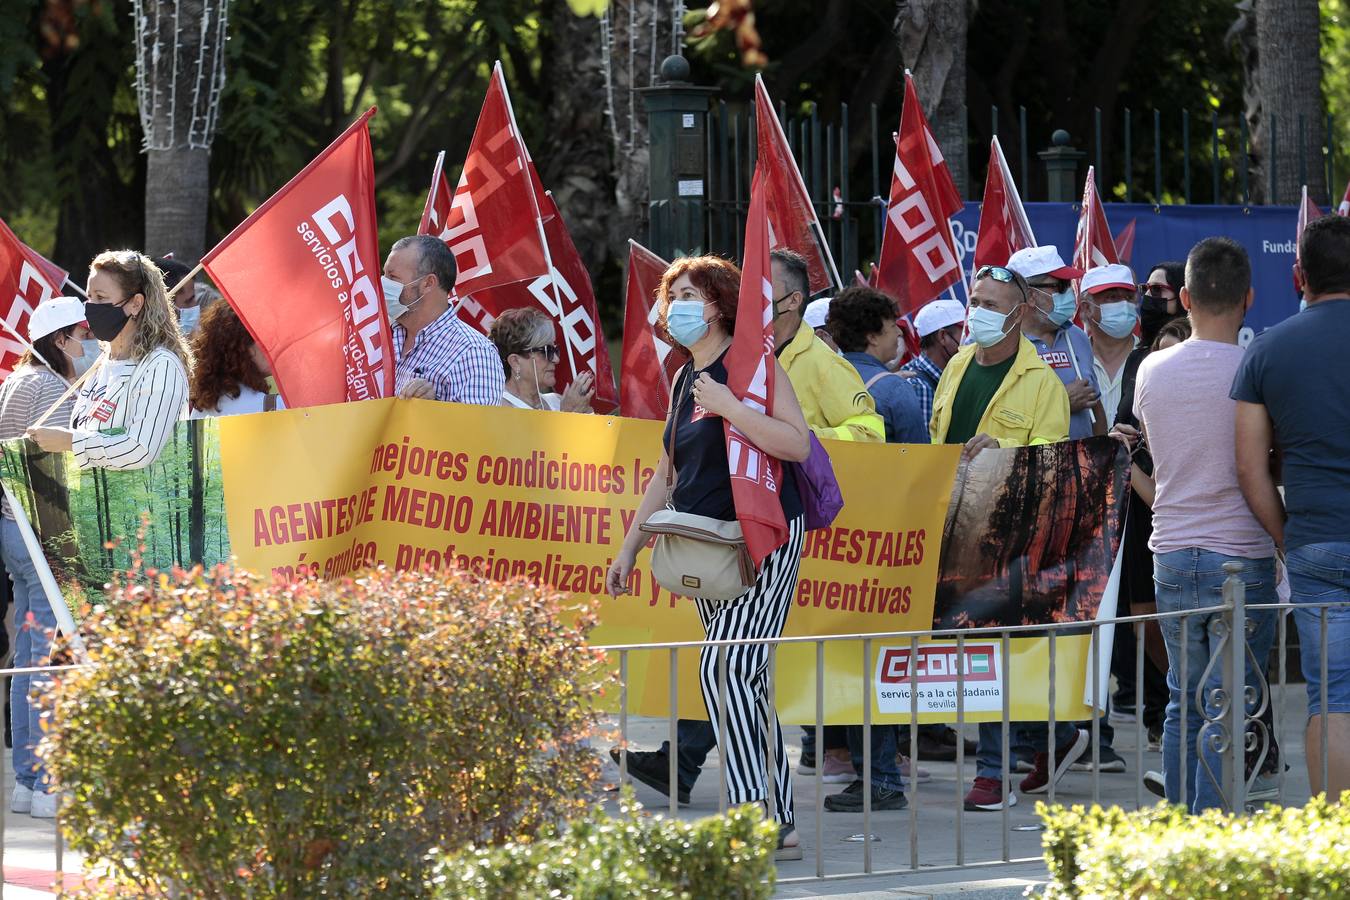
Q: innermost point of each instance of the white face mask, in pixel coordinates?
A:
(188, 318)
(92, 350)
(393, 298)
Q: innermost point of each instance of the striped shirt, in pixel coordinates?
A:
(26, 394)
(924, 383)
(461, 363)
(126, 411)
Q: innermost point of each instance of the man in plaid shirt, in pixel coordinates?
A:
(439, 356)
(939, 325)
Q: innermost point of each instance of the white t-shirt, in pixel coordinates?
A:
(126, 411)
(248, 401)
(551, 401)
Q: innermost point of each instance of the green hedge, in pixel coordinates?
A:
(602, 858)
(1298, 852)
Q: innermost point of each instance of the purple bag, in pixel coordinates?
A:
(821, 499)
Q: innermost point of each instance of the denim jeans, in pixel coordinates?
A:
(1034, 735)
(695, 739)
(1193, 579)
(31, 648)
(885, 746)
(1320, 573)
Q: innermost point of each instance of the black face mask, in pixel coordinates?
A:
(106, 320)
(1153, 315)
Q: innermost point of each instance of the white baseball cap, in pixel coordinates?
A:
(1033, 262)
(938, 314)
(816, 312)
(54, 315)
(1103, 278)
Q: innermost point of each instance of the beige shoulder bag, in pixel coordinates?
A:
(696, 556)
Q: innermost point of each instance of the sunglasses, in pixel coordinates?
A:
(1154, 290)
(549, 351)
(1002, 276)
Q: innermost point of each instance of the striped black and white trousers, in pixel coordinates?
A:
(759, 613)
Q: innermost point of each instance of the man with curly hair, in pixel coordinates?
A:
(863, 323)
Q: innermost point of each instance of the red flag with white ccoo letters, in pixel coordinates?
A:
(1092, 245)
(792, 220)
(24, 283)
(649, 363)
(303, 272)
(1004, 228)
(918, 253)
(756, 477)
(491, 221)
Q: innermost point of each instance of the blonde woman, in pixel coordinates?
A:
(126, 410)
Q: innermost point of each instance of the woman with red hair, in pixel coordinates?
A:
(696, 308)
(231, 372)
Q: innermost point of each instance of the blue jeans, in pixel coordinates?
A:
(1033, 735)
(1193, 579)
(31, 648)
(885, 746)
(1320, 573)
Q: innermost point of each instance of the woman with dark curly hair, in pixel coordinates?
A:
(696, 307)
(230, 377)
(863, 322)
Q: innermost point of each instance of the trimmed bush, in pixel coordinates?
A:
(237, 738)
(1298, 852)
(601, 858)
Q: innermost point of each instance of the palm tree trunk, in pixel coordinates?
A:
(180, 70)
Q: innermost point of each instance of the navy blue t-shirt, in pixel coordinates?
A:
(702, 477)
(1299, 371)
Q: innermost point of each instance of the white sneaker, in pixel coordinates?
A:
(22, 801)
(44, 805)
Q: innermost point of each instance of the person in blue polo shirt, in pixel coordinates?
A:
(1062, 345)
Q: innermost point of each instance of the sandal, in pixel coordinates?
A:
(786, 853)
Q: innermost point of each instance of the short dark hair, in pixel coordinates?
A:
(795, 271)
(1218, 274)
(857, 313)
(1173, 270)
(931, 338)
(433, 258)
(1324, 255)
(174, 270)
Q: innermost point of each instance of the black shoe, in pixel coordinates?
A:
(949, 738)
(850, 799)
(933, 750)
(652, 768)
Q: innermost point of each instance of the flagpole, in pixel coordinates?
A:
(79, 290)
(538, 213)
(186, 278)
(29, 347)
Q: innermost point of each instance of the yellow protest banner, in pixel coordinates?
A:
(325, 491)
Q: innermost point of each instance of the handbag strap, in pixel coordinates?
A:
(685, 377)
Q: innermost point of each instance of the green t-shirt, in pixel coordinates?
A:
(978, 386)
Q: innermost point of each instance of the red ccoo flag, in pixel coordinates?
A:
(1004, 228)
(303, 272)
(1125, 242)
(649, 363)
(792, 221)
(564, 293)
(1307, 212)
(491, 221)
(756, 477)
(1344, 208)
(918, 253)
(24, 283)
(1092, 246)
(55, 274)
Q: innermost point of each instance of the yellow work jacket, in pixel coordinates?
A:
(1030, 407)
(834, 401)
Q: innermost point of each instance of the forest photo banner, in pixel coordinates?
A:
(1018, 536)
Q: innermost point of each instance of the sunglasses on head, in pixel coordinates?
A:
(549, 351)
(1002, 276)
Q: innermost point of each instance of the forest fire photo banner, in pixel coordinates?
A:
(1014, 537)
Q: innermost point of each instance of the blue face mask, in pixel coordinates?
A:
(1118, 318)
(987, 327)
(684, 321)
(1303, 304)
(1066, 304)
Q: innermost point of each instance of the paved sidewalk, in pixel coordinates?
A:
(937, 803)
(30, 857)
